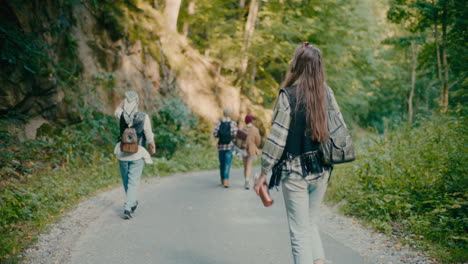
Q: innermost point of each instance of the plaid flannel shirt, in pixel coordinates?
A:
(234, 129)
(276, 141)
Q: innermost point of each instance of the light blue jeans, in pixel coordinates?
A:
(302, 200)
(130, 171)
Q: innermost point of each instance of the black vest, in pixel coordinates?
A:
(299, 140)
(138, 124)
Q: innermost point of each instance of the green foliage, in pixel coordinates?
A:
(109, 17)
(412, 181)
(344, 30)
(28, 50)
(21, 49)
(27, 208)
(37, 50)
(422, 17)
(371, 78)
(39, 179)
(172, 121)
(57, 147)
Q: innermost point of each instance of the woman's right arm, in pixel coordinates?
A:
(276, 141)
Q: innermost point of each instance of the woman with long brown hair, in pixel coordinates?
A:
(299, 125)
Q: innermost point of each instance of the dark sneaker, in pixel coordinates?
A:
(134, 207)
(127, 215)
(247, 185)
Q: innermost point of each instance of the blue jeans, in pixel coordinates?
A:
(225, 158)
(302, 200)
(131, 174)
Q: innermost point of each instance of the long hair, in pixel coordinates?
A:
(306, 70)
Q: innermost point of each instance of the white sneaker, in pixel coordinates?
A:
(247, 184)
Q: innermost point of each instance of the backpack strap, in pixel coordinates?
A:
(333, 110)
(290, 98)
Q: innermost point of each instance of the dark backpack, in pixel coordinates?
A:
(224, 133)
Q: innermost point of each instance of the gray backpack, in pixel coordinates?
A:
(339, 148)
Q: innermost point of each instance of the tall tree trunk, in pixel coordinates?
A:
(445, 94)
(414, 64)
(172, 13)
(439, 63)
(253, 75)
(249, 31)
(190, 12)
(241, 4)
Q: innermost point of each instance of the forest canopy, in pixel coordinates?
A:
(389, 61)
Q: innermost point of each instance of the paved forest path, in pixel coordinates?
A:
(189, 218)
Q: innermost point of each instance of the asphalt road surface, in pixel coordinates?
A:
(191, 218)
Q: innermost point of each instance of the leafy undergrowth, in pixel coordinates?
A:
(56, 147)
(28, 207)
(40, 179)
(412, 183)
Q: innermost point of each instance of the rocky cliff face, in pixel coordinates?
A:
(81, 55)
(30, 54)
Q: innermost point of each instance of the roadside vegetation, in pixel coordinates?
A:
(411, 182)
